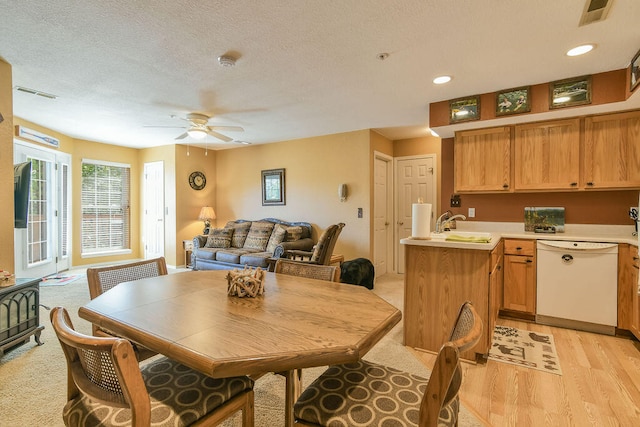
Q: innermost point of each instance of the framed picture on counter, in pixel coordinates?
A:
(464, 109)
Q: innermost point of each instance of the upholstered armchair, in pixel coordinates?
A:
(322, 251)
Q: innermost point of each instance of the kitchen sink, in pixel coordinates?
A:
(463, 236)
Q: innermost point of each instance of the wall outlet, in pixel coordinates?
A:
(455, 200)
(359, 212)
(472, 213)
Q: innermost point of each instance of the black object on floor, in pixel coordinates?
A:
(359, 271)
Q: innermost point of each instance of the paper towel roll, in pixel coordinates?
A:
(421, 220)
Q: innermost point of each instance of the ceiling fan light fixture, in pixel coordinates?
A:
(196, 133)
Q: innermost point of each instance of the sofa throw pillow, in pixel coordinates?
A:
(258, 236)
(277, 237)
(294, 233)
(219, 238)
(240, 232)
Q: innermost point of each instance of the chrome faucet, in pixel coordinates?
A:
(441, 218)
(447, 222)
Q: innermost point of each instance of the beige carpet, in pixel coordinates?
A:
(33, 378)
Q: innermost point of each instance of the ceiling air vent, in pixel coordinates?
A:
(595, 11)
(35, 92)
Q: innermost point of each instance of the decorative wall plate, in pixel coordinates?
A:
(197, 180)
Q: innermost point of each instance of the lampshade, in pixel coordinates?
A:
(197, 133)
(207, 213)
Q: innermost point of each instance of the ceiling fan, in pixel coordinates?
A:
(198, 128)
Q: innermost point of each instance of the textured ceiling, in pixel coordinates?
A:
(304, 67)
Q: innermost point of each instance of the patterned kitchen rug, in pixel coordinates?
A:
(59, 280)
(525, 348)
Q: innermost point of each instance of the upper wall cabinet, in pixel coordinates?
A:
(547, 155)
(482, 160)
(612, 151)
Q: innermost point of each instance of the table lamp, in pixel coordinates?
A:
(206, 214)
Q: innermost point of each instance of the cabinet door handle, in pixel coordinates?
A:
(590, 184)
(635, 258)
(518, 248)
(635, 266)
(574, 184)
(505, 186)
(529, 260)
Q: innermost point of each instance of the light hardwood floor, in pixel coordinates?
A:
(599, 385)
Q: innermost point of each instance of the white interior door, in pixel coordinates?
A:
(415, 178)
(153, 217)
(382, 214)
(43, 248)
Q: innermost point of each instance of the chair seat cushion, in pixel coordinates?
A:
(179, 397)
(366, 394)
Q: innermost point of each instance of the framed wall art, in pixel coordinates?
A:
(513, 101)
(634, 70)
(273, 187)
(570, 92)
(464, 109)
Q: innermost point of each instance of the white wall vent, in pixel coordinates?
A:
(595, 11)
(35, 92)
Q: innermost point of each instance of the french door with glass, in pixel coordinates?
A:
(43, 248)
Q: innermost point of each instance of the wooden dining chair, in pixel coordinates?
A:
(322, 251)
(334, 397)
(106, 386)
(311, 271)
(368, 393)
(101, 279)
(467, 328)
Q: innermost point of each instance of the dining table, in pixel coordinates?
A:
(296, 323)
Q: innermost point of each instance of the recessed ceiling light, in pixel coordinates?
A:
(580, 50)
(442, 79)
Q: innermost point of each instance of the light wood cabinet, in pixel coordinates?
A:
(612, 151)
(496, 284)
(482, 160)
(628, 297)
(519, 276)
(547, 155)
(438, 280)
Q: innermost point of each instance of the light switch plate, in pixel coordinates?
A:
(472, 213)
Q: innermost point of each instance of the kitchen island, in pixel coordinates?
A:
(439, 277)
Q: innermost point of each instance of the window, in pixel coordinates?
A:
(105, 208)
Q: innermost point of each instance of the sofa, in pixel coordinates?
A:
(249, 243)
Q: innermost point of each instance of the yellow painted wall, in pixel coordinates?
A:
(190, 201)
(314, 169)
(6, 168)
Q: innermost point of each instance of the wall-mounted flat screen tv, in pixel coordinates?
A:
(21, 187)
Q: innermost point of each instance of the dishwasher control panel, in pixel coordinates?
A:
(579, 246)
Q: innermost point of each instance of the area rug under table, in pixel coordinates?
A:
(525, 348)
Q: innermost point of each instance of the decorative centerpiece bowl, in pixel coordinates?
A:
(6, 279)
(245, 283)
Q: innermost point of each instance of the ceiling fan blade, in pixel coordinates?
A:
(183, 136)
(219, 136)
(166, 127)
(229, 128)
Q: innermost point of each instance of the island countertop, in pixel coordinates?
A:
(512, 230)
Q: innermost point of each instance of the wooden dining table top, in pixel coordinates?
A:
(297, 322)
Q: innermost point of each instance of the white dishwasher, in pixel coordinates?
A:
(577, 285)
